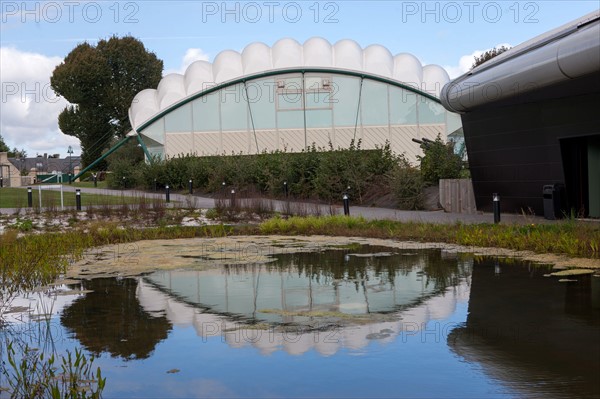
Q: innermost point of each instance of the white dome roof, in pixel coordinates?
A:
(286, 53)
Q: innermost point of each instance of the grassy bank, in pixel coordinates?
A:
(17, 198)
(569, 238)
(36, 251)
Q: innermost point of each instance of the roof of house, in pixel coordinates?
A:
(46, 164)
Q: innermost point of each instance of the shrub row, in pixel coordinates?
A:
(314, 173)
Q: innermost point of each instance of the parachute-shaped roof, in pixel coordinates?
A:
(286, 54)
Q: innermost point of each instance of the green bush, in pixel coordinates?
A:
(406, 185)
(313, 173)
(439, 161)
(124, 174)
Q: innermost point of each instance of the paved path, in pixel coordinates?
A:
(196, 201)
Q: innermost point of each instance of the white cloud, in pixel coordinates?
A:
(29, 108)
(466, 61)
(191, 55)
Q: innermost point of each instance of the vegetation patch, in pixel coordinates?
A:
(569, 238)
(17, 198)
(323, 174)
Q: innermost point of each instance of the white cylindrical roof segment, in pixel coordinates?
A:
(256, 57)
(227, 66)
(143, 107)
(348, 55)
(285, 54)
(378, 60)
(170, 90)
(408, 69)
(434, 78)
(318, 52)
(198, 77)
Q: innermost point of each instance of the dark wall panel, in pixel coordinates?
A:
(514, 150)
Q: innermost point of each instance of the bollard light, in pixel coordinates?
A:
(78, 199)
(285, 188)
(191, 187)
(168, 193)
(1, 182)
(233, 198)
(346, 200)
(496, 202)
(155, 185)
(29, 197)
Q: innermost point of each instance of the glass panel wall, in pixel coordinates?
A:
(234, 108)
(374, 104)
(206, 113)
(344, 96)
(290, 102)
(430, 112)
(261, 96)
(180, 119)
(156, 131)
(318, 100)
(403, 106)
(327, 101)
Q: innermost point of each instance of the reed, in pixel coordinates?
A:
(571, 238)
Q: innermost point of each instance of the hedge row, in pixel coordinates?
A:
(312, 173)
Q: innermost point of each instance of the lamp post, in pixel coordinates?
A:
(70, 152)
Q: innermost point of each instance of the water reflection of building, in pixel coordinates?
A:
(299, 340)
(229, 303)
(535, 334)
(346, 283)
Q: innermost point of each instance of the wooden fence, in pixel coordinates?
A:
(456, 196)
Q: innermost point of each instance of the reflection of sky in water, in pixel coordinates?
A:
(408, 355)
(407, 365)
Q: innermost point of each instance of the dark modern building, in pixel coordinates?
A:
(531, 117)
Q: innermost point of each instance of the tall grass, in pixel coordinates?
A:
(36, 260)
(569, 238)
(31, 374)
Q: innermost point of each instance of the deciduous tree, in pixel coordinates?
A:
(100, 82)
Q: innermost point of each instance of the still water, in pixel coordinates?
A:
(352, 322)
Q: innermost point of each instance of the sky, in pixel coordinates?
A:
(35, 36)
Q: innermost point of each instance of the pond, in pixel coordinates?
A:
(352, 321)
